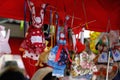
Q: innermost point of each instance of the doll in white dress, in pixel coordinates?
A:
(4, 45)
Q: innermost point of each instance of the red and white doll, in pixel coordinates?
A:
(34, 42)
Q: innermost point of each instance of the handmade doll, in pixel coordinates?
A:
(34, 42)
(4, 45)
(59, 55)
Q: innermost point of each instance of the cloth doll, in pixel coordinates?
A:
(59, 54)
(4, 45)
(34, 42)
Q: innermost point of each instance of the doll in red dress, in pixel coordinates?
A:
(34, 42)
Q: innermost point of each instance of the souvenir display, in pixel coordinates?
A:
(55, 43)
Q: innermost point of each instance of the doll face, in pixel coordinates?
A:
(37, 20)
(62, 35)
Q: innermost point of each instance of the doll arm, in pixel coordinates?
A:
(32, 9)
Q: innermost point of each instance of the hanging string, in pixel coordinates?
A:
(108, 28)
(109, 46)
(85, 14)
(72, 22)
(25, 25)
(84, 24)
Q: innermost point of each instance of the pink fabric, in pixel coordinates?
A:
(4, 45)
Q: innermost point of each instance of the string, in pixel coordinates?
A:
(85, 14)
(82, 25)
(25, 26)
(109, 45)
(72, 22)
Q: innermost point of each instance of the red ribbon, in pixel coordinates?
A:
(58, 53)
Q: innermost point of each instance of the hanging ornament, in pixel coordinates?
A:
(34, 42)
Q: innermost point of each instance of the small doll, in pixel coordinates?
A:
(4, 45)
(62, 39)
(34, 42)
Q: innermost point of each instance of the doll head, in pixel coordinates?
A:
(62, 38)
(37, 22)
(62, 35)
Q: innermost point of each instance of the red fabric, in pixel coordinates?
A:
(15, 44)
(58, 53)
(30, 66)
(98, 10)
(80, 47)
(29, 63)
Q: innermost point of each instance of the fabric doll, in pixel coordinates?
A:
(34, 42)
(58, 56)
(4, 45)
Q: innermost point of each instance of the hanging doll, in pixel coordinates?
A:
(59, 55)
(4, 45)
(34, 42)
(49, 32)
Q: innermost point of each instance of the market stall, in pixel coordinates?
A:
(54, 36)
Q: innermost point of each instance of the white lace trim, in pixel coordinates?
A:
(31, 55)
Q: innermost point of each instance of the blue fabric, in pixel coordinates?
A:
(62, 42)
(52, 56)
(117, 77)
(57, 66)
(63, 58)
(58, 72)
